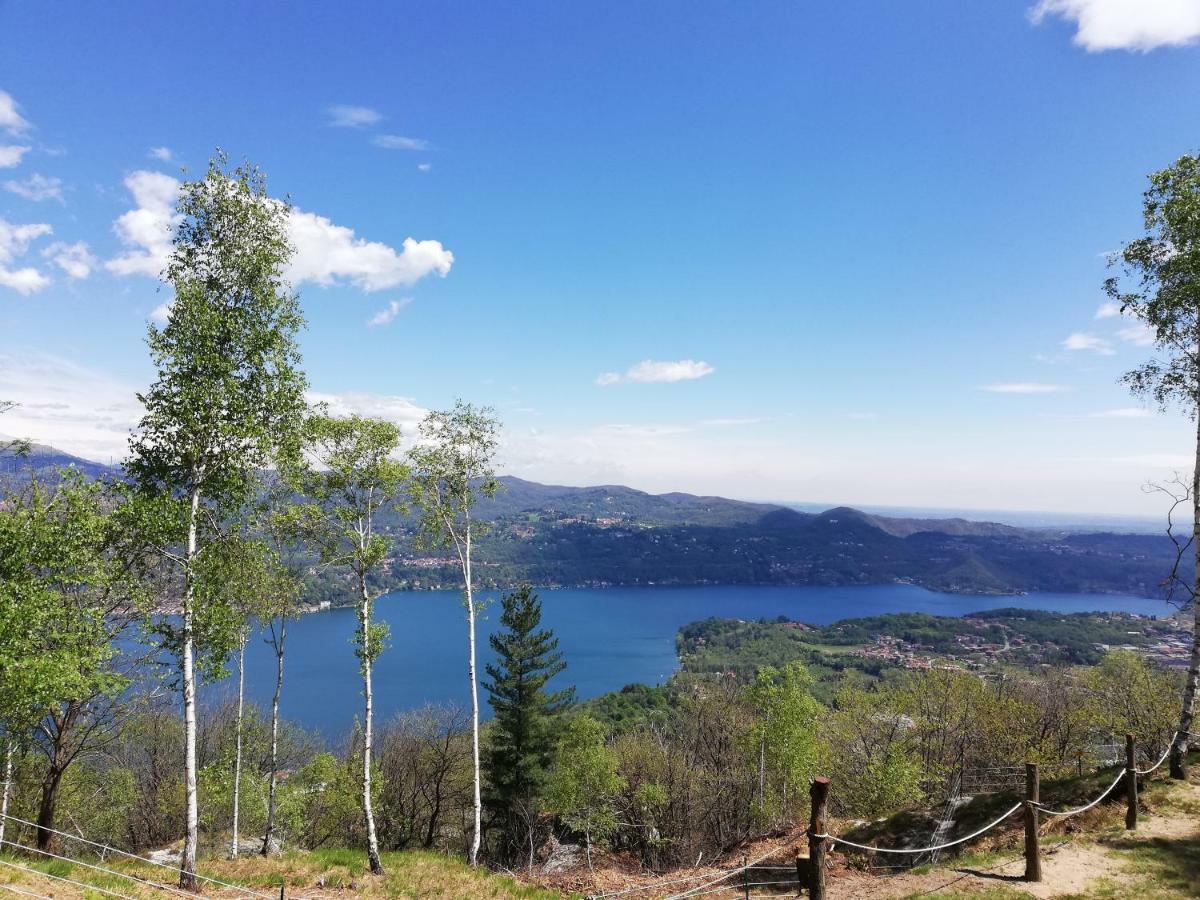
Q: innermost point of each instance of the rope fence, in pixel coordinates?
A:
(819, 838)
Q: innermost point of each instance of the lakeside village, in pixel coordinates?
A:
(1161, 641)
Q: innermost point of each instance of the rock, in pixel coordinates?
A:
(560, 856)
(165, 857)
(252, 846)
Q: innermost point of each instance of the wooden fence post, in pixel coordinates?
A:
(1033, 856)
(745, 877)
(819, 791)
(1131, 787)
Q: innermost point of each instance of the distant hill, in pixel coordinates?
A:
(520, 497)
(42, 458)
(609, 534)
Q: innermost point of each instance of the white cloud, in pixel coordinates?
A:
(649, 371)
(161, 314)
(1138, 334)
(352, 116)
(162, 154)
(24, 281)
(10, 118)
(328, 253)
(14, 241)
(1083, 341)
(74, 259)
(36, 188)
(424, 167)
(1128, 412)
(1125, 24)
(67, 405)
(10, 155)
(401, 410)
(389, 312)
(1108, 310)
(397, 142)
(147, 229)
(1024, 387)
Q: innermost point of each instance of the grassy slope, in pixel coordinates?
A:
(323, 873)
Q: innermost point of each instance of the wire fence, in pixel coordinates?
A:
(105, 850)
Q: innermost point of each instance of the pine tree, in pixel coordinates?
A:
(522, 740)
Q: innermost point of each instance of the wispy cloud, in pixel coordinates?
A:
(424, 167)
(161, 314)
(36, 188)
(14, 241)
(1125, 24)
(389, 312)
(343, 116)
(399, 142)
(10, 155)
(75, 260)
(11, 119)
(68, 405)
(651, 371)
(730, 422)
(1108, 310)
(1137, 334)
(1023, 387)
(162, 154)
(1083, 341)
(1127, 412)
(401, 410)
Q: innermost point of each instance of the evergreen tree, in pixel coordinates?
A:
(521, 740)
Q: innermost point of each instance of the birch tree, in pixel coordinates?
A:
(244, 576)
(451, 469)
(1158, 285)
(228, 397)
(282, 532)
(352, 477)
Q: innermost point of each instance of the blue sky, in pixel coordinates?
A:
(835, 252)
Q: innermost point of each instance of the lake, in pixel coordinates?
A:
(610, 637)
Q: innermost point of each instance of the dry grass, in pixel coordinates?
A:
(322, 874)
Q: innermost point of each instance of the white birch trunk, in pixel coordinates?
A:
(368, 811)
(271, 789)
(476, 836)
(187, 863)
(9, 750)
(237, 754)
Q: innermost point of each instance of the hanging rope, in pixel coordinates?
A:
(1162, 759)
(954, 843)
(1082, 809)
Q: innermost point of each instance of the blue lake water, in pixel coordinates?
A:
(610, 637)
